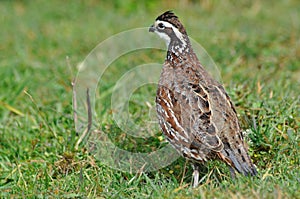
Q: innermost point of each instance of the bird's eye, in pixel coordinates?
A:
(161, 26)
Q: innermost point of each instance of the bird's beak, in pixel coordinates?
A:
(152, 28)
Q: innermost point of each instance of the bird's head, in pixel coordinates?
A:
(169, 28)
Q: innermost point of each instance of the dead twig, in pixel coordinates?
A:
(87, 130)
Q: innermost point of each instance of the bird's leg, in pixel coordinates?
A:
(195, 175)
(232, 172)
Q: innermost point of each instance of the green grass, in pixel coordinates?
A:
(255, 44)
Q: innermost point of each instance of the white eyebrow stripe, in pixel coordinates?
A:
(166, 24)
(176, 31)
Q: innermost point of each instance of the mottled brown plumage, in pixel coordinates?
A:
(194, 111)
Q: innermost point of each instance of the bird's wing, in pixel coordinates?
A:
(185, 118)
(198, 110)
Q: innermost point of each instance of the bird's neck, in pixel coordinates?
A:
(180, 50)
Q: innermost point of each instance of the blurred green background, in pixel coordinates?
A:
(255, 44)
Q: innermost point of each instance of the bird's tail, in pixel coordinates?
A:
(238, 159)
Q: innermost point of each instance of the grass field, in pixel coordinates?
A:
(255, 44)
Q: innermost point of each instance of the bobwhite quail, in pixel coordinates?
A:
(194, 111)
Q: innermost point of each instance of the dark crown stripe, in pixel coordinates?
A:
(167, 15)
(170, 17)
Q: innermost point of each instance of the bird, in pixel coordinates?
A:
(196, 115)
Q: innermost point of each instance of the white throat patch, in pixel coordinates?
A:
(164, 36)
